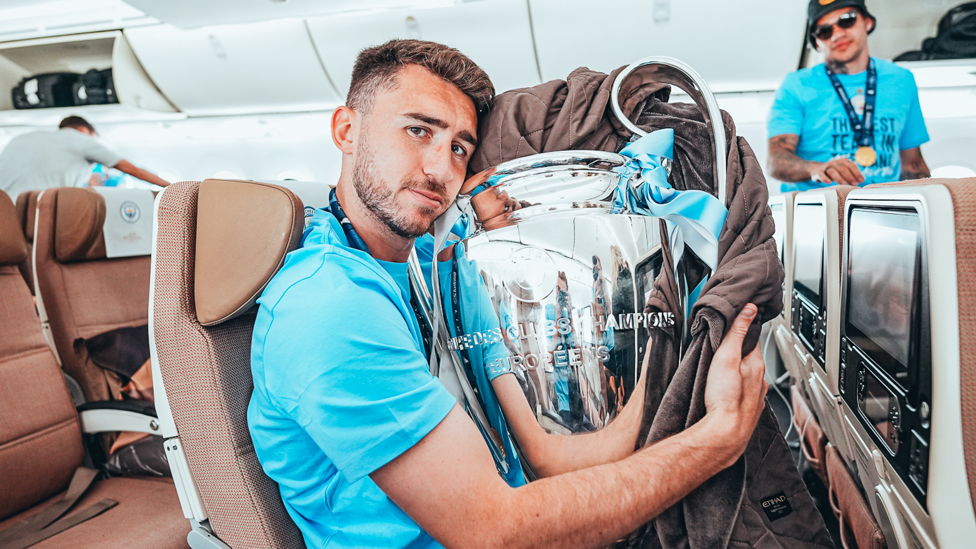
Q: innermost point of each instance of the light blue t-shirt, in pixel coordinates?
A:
(807, 105)
(341, 388)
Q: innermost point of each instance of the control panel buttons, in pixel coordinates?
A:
(924, 413)
(879, 461)
(918, 462)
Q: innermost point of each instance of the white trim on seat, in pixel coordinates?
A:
(186, 488)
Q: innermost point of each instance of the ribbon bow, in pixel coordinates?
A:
(643, 189)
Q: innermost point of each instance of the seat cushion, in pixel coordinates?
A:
(148, 515)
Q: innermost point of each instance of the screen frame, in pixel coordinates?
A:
(817, 301)
(920, 379)
(880, 356)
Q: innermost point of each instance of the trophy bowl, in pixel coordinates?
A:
(577, 287)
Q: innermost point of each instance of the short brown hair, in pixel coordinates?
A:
(76, 122)
(378, 67)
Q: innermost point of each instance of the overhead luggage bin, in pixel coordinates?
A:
(138, 97)
(192, 14)
(906, 346)
(236, 69)
(496, 34)
(725, 46)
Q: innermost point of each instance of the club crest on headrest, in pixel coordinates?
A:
(130, 211)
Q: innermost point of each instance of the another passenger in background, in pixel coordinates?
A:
(853, 120)
(43, 160)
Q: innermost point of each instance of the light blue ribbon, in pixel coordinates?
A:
(643, 189)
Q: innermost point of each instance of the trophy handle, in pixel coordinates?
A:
(668, 70)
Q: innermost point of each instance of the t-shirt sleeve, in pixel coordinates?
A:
(93, 151)
(915, 133)
(349, 370)
(786, 114)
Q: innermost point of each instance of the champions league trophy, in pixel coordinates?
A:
(569, 268)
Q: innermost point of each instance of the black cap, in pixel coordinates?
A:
(819, 8)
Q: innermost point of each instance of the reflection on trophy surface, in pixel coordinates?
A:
(566, 280)
(574, 271)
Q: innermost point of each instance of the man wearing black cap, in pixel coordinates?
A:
(853, 120)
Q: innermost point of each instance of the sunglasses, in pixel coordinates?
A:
(846, 21)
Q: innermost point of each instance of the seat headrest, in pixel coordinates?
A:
(244, 231)
(100, 223)
(27, 210)
(13, 247)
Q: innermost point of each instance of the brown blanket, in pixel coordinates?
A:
(728, 510)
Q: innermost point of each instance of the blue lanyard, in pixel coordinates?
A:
(352, 236)
(863, 129)
(356, 241)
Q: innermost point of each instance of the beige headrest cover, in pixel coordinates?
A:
(13, 247)
(244, 231)
(27, 210)
(79, 215)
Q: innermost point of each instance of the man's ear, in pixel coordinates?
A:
(345, 126)
(870, 25)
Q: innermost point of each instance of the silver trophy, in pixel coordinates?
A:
(575, 286)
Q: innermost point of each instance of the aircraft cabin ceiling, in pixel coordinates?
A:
(236, 57)
(189, 14)
(21, 19)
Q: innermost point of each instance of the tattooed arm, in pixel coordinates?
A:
(785, 165)
(913, 166)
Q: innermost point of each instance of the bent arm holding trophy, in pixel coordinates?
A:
(449, 479)
(540, 330)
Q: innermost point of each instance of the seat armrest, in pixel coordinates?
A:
(118, 415)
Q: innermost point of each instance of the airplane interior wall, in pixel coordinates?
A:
(220, 80)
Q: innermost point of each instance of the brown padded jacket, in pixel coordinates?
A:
(761, 501)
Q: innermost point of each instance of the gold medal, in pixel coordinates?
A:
(865, 156)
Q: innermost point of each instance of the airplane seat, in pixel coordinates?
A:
(907, 356)
(26, 208)
(781, 207)
(41, 440)
(815, 303)
(858, 529)
(91, 264)
(217, 244)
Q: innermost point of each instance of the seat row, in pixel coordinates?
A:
(65, 363)
(878, 335)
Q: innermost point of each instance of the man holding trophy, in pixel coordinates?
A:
(370, 449)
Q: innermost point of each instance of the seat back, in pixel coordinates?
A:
(909, 346)
(40, 437)
(781, 207)
(83, 291)
(815, 310)
(217, 244)
(26, 210)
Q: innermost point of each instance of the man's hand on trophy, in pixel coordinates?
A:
(735, 389)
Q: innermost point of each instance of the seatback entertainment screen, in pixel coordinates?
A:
(883, 271)
(809, 228)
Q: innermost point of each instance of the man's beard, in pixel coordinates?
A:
(841, 67)
(380, 200)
